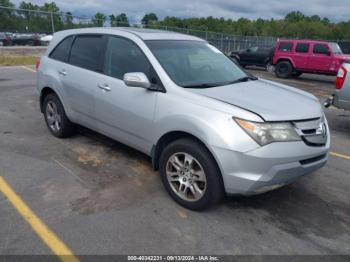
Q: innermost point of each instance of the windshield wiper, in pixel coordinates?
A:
(207, 85)
(244, 79)
(240, 80)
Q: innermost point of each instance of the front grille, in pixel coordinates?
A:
(312, 160)
(313, 132)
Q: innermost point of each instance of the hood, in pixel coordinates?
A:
(343, 56)
(272, 101)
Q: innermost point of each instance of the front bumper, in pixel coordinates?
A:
(268, 167)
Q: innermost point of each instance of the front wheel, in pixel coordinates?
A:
(284, 69)
(190, 174)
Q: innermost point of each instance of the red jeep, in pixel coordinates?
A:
(294, 57)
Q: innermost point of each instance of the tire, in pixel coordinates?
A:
(297, 74)
(190, 179)
(269, 67)
(55, 117)
(284, 69)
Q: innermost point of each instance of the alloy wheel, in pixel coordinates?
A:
(53, 116)
(186, 176)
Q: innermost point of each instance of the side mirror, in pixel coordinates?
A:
(136, 79)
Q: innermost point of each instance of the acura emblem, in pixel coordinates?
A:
(321, 130)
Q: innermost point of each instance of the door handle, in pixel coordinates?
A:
(62, 72)
(104, 87)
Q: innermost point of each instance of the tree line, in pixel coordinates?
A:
(293, 25)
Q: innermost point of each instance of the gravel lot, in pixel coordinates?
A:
(101, 197)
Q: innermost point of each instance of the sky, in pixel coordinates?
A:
(335, 10)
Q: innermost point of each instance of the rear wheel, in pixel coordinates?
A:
(55, 117)
(190, 174)
(284, 69)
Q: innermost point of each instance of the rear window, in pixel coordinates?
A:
(302, 48)
(285, 46)
(61, 51)
(86, 52)
(321, 49)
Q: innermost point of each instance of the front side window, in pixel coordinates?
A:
(61, 51)
(195, 64)
(123, 56)
(321, 49)
(86, 51)
(285, 47)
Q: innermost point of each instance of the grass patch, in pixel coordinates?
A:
(17, 60)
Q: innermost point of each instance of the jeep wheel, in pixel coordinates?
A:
(284, 69)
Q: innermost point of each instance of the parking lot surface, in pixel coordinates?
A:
(98, 196)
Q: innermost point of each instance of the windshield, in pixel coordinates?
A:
(195, 64)
(336, 48)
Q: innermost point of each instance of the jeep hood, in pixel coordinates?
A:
(343, 56)
(271, 101)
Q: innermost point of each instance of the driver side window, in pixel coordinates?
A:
(123, 56)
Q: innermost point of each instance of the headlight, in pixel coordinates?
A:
(266, 133)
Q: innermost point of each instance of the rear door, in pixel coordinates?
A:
(301, 55)
(81, 75)
(321, 59)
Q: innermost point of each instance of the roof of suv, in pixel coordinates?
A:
(303, 41)
(144, 34)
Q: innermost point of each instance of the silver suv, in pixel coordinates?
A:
(210, 127)
(341, 98)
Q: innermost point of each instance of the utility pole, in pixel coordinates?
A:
(52, 24)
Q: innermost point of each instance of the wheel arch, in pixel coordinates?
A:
(49, 90)
(170, 137)
(287, 59)
(43, 93)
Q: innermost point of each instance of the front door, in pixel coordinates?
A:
(321, 58)
(123, 112)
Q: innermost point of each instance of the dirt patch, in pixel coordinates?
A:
(34, 51)
(118, 176)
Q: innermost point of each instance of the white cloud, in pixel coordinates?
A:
(135, 9)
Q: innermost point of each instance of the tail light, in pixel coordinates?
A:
(341, 76)
(37, 64)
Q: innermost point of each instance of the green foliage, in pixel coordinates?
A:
(293, 25)
(149, 18)
(119, 20)
(99, 19)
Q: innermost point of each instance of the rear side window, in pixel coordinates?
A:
(61, 51)
(321, 49)
(86, 51)
(123, 56)
(302, 48)
(285, 46)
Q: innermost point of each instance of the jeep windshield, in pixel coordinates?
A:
(335, 48)
(196, 64)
